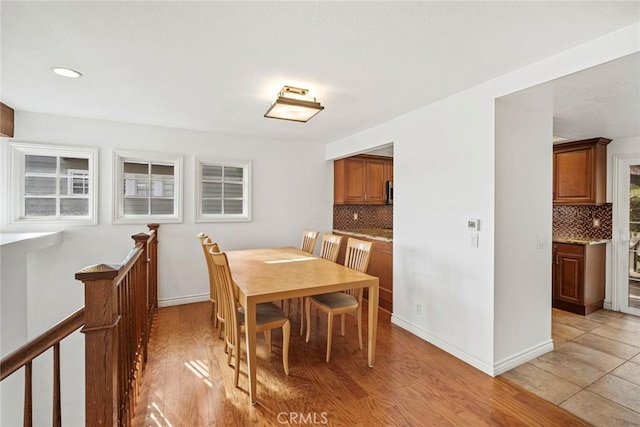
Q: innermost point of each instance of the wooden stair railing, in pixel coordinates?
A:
(120, 303)
(25, 355)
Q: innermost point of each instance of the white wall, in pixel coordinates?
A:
(292, 190)
(444, 173)
(523, 227)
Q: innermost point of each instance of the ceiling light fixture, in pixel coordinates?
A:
(294, 104)
(66, 72)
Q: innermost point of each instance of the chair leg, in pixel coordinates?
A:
(237, 367)
(267, 339)
(342, 328)
(307, 308)
(301, 306)
(286, 332)
(359, 317)
(329, 333)
(214, 314)
(286, 302)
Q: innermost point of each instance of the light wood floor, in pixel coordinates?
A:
(188, 383)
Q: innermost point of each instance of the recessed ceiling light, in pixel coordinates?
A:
(66, 72)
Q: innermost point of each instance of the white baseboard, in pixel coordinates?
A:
(607, 305)
(168, 302)
(492, 370)
(451, 349)
(524, 356)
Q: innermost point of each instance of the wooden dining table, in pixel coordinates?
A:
(274, 274)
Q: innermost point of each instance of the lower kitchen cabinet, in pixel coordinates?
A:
(578, 277)
(380, 265)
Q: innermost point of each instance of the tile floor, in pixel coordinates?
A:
(594, 371)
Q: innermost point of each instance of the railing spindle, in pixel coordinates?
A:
(28, 395)
(57, 411)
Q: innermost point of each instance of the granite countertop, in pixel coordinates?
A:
(381, 234)
(580, 241)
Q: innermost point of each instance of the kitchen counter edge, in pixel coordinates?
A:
(366, 236)
(580, 241)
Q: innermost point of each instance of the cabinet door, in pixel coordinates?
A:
(573, 176)
(361, 180)
(354, 180)
(388, 170)
(381, 266)
(375, 181)
(569, 279)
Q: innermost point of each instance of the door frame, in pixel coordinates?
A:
(620, 239)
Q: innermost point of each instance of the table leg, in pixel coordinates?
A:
(250, 332)
(373, 322)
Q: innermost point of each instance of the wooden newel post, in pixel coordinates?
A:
(153, 269)
(101, 344)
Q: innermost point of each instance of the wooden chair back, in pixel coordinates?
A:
(207, 244)
(330, 246)
(358, 255)
(227, 300)
(309, 239)
(357, 258)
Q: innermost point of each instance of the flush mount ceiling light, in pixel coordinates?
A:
(294, 104)
(66, 72)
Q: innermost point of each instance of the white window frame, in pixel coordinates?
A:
(122, 156)
(246, 165)
(18, 151)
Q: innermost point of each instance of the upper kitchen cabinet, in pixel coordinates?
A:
(580, 172)
(361, 179)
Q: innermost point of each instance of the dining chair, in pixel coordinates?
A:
(330, 247)
(350, 301)
(208, 244)
(268, 316)
(309, 239)
(220, 315)
(329, 250)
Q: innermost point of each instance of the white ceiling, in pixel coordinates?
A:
(217, 66)
(600, 101)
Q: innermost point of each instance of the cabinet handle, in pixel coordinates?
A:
(556, 259)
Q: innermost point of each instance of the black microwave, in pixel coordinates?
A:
(389, 192)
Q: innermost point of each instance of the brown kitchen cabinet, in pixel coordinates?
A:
(361, 180)
(578, 277)
(580, 172)
(380, 265)
(388, 170)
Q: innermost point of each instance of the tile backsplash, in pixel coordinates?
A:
(369, 216)
(577, 221)
(568, 221)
